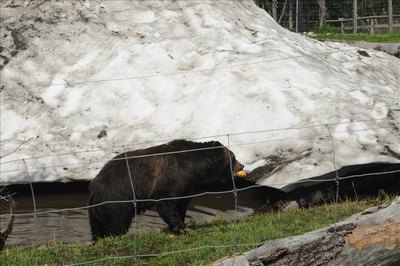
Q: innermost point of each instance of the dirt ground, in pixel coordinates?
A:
(389, 48)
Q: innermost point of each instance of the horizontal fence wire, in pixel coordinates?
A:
(108, 258)
(230, 191)
(173, 252)
(74, 153)
(107, 148)
(194, 71)
(234, 245)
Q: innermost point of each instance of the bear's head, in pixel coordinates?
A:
(229, 164)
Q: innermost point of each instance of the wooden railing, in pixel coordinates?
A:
(371, 25)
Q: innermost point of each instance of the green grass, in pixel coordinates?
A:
(206, 242)
(378, 37)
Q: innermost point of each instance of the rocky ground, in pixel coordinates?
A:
(389, 48)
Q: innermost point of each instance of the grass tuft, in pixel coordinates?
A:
(329, 34)
(205, 242)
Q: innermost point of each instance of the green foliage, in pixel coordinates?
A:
(379, 37)
(327, 29)
(206, 242)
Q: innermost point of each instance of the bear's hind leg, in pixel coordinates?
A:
(111, 219)
(182, 208)
(168, 211)
(122, 214)
(96, 226)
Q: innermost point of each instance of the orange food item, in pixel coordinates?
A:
(241, 174)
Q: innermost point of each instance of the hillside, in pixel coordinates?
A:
(83, 80)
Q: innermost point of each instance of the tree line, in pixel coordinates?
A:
(312, 14)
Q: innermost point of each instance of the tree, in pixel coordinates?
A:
(4, 235)
(322, 12)
(370, 238)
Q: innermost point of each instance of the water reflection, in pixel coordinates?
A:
(73, 225)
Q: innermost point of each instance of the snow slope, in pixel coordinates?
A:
(86, 80)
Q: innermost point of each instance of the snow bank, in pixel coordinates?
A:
(86, 80)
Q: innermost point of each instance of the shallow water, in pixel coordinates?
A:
(73, 225)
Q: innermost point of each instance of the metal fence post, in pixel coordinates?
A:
(390, 9)
(297, 16)
(355, 16)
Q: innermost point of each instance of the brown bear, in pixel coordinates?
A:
(165, 171)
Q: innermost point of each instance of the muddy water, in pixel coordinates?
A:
(73, 225)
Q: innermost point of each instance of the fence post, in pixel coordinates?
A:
(390, 9)
(134, 203)
(355, 16)
(341, 25)
(297, 16)
(290, 15)
(31, 186)
(275, 10)
(371, 24)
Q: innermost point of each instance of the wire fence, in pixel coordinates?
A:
(29, 165)
(308, 15)
(329, 138)
(261, 137)
(21, 167)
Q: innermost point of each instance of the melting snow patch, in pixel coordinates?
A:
(149, 72)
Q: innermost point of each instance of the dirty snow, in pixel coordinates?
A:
(147, 72)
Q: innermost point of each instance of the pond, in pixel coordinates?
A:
(55, 221)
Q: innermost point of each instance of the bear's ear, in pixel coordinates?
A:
(217, 144)
(227, 154)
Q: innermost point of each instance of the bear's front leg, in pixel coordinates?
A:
(168, 211)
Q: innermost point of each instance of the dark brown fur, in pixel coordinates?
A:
(155, 175)
(4, 235)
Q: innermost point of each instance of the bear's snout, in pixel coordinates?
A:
(238, 170)
(238, 167)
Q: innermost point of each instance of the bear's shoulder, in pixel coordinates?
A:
(187, 144)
